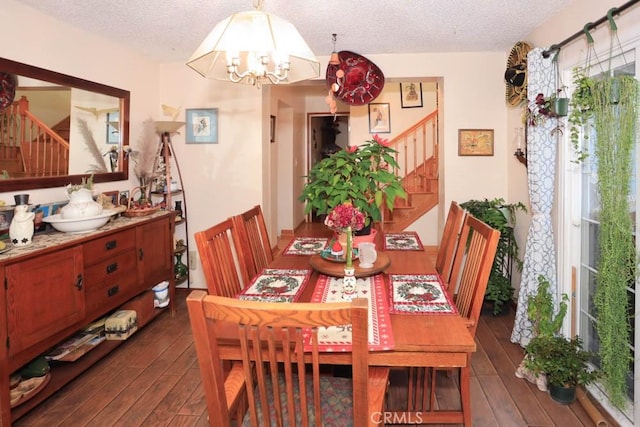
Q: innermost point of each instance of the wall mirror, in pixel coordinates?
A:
(91, 117)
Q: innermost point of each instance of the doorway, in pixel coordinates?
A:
(327, 133)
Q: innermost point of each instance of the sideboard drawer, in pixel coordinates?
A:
(109, 269)
(108, 246)
(109, 293)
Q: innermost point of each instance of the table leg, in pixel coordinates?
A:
(465, 392)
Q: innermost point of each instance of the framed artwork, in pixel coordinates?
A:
(124, 198)
(272, 129)
(40, 212)
(6, 215)
(475, 142)
(56, 206)
(411, 95)
(114, 196)
(379, 118)
(202, 126)
(113, 127)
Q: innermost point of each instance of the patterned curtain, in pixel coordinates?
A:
(539, 255)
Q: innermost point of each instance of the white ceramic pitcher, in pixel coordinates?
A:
(367, 254)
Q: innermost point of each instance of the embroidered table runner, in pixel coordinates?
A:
(276, 285)
(305, 246)
(407, 241)
(419, 294)
(334, 338)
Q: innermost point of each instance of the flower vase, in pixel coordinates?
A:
(180, 270)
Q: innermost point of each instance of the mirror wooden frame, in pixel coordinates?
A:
(17, 184)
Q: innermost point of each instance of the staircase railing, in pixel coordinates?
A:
(418, 153)
(24, 136)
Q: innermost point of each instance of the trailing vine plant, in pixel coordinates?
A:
(615, 125)
(580, 112)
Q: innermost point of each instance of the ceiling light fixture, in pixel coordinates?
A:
(255, 48)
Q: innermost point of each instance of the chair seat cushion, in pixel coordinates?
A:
(336, 401)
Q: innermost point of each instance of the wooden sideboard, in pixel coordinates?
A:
(62, 282)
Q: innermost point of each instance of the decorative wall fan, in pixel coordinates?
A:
(516, 74)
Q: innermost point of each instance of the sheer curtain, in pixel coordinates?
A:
(539, 255)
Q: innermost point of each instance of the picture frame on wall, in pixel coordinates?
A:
(379, 118)
(411, 95)
(475, 142)
(201, 126)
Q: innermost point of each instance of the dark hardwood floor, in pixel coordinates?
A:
(153, 380)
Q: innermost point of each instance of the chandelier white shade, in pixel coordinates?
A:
(255, 48)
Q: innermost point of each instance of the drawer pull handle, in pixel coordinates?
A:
(112, 267)
(112, 291)
(112, 244)
(79, 282)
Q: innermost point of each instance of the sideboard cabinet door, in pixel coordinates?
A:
(45, 295)
(155, 254)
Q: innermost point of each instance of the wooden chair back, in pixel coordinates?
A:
(449, 241)
(471, 268)
(222, 257)
(255, 239)
(271, 347)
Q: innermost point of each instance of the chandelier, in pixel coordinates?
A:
(255, 48)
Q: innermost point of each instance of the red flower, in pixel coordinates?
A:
(343, 216)
(351, 148)
(382, 141)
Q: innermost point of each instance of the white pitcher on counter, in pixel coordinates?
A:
(21, 228)
(81, 205)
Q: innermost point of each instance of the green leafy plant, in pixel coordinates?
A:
(615, 113)
(85, 183)
(580, 111)
(362, 175)
(500, 216)
(563, 360)
(541, 310)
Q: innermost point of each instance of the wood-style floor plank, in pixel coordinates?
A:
(153, 379)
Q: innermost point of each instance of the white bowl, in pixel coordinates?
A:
(79, 225)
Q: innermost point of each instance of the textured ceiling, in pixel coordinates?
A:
(170, 30)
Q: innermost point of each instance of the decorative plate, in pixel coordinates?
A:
(359, 81)
(326, 254)
(7, 248)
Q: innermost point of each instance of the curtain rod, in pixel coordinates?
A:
(589, 26)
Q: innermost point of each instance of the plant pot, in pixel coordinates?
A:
(560, 107)
(563, 395)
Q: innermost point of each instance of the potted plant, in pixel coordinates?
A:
(564, 362)
(580, 111)
(361, 175)
(546, 322)
(545, 108)
(501, 216)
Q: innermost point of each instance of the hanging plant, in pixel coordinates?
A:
(580, 111)
(615, 126)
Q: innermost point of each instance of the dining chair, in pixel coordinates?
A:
(472, 265)
(449, 241)
(224, 262)
(281, 377)
(255, 239)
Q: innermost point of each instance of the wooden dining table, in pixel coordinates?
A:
(420, 340)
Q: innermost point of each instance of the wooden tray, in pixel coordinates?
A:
(336, 269)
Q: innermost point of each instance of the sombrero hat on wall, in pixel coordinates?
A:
(516, 74)
(354, 80)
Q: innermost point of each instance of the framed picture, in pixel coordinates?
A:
(475, 142)
(202, 126)
(124, 198)
(40, 212)
(411, 95)
(272, 129)
(6, 215)
(113, 127)
(56, 206)
(379, 118)
(114, 196)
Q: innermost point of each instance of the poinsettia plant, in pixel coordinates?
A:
(362, 175)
